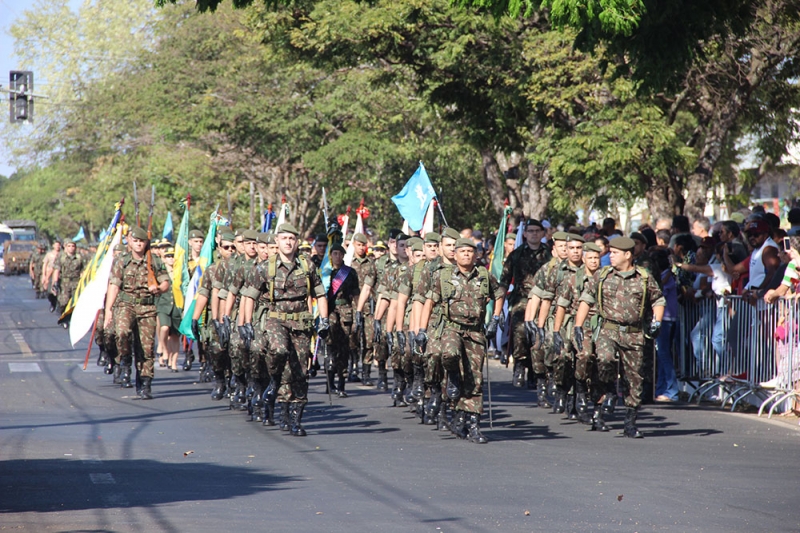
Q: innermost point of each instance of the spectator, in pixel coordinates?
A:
(609, 224)
(662, 237)
(508, 244)
(663, 223)
(650, 235)
(794, 222)
(667, 381)
(680, 226)
(731, 236)
(602, 242)
(764, 260)
(701, 227)
(684, 251)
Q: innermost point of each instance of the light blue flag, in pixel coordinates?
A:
(413, 200)
(81, 235)
(168, 228)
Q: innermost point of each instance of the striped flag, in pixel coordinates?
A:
(180, 270)
(351, 250)
(203, 262)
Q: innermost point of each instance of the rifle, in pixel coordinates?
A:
(136, 204)
(151, 274)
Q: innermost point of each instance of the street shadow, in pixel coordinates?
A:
(57, 485)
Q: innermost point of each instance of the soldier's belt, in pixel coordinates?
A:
(449, 324)
(290, 316)
(127, 298)
(622, 329)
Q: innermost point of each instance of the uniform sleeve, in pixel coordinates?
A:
(508, 271)
(564, 294)
(422, 287)
(116, 272)
(495, 288)
(369, 274)
(383, 287)
(218, 279)
(405, 283)
(57, 264)
(253, 283)
(548, 290)
(435, 288)
(589, 292)
(317, 288)
(539, 281)
(205, 284)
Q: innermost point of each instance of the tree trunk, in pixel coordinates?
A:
(538, 195)
(494, 180)
(664, 199)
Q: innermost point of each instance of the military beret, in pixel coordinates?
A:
(636, 236)
(265, 238)
(533, 222)
(137, 233)
(321, 237)
(560, 236)
(305, 245)
(511, 236)
(394, 233)
(461, 243)
(169, 252)
(450, 233)
(360, 237)
(592, 247)
(196, 234)
(237, 233)
(250, 235)
(625, 244)
(415, 243)
(432, 236)
(380, 245)
(402, 237)
(288, 228)
(226, 235)
(575, 237)
(337, 248)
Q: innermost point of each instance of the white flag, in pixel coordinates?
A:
(351, 250)
(427, 224)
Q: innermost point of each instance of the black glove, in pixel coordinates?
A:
(376, 326)
(196, 330)
(412, 339)
(501, 321)
(654, 328)
(421, 340)
(389, 341)
(491, 327)
(532, 331)
(577, 336)
(225, 330)
(247, 334)
(558, 342)
(359, 321)
(55, 288)
(323, 328)
(216, 325)
(401, 342)
(541, 336)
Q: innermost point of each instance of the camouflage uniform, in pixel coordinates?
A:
(383, 268)
(544, 287)
(568, 297)
(239, 354)
(36, 262)
(134, 311)
(342, 341)
(394, 273)
(519, 268)
(367, 276)
(69, 268)
(220, 362)
(561, 363)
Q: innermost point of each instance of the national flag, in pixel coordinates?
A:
(90, 269)
(498, 255)
(351, 250)
(80, 236)
(180, 270)
(325, 267)
(203, 262)
(169, 230)
(282, 214)
(413, 200)
(93, 297)
(269, 219)
(345, 223)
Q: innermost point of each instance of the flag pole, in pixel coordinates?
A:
(91, 340)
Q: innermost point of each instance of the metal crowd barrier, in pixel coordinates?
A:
(730, 350)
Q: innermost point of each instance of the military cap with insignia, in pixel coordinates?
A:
(432, 236)
(462, 243)
(250, 235)
(360, 237)
(414, 243)
(574, 237)
(196, 234)
(625, 244)
(592, 247)
(380, 245)
(560, 236)
(450, 233)
(511, 236)
(288, 228)
(138, 233)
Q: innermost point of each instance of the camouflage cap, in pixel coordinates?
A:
(592, 247)
(511, 236)
(450, 233)
(250, 235)
(196, 234)
(415, 243)
(625, 244)
(266, 238)
(287, 228)
(360, 237)
(461, 243)
(226, 235)
(560, 236)
(574, 237)
(432, 236)
(138, 233)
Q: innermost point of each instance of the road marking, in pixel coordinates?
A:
(102, 479)
(24, 367)
(115, 500)
(17, 336)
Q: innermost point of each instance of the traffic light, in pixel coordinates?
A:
(21, 95)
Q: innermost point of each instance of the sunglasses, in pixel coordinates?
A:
(229, 247)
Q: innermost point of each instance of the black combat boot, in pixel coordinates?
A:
(341, 393)
(352, 373)
(220, 387)
(597, 422)
(475, 434)
(581, 405)
(459, 425)
(610, 400)
(270, 395)
(541, 392)
(519, 374)
(561, 401)
(102, 359)
(442, 422)
(383, 380)
(296, 409)
(331, 383)
(572, 414)
(453, 385)
(433, 405)
(113, 369)
(146, 392)
(188, 360)
(418, 388)
(125, 377)
(366, 379)
(257, 401)
(285, 422)
(239, 397)
(630, 424)
(399, 388)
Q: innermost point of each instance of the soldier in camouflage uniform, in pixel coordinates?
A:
(318, 251)
(543, 285)
(563, 355)
(35, 269)
(342, 298)
(208, 296)
(66, 274)
(48, 264)
(106, 338)
(383, 268)
(622, 294)
(196, 238)
(135, 311)
(519, 268)
(239, 348)
(289, 283)
(410, 362)
(465, 290)
(364, 332)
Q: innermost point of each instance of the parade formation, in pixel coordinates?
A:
(264, 312)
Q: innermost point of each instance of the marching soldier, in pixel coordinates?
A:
(341, 298)
(289, 283)
(519, 268)
(622, 294)
(48, 265)
(135, 311)
(66, 274)
(106, 338)
(365, 309)
(35, 269)
(383, 268)
(465, 290)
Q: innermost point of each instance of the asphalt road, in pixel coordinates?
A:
(78, 454)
